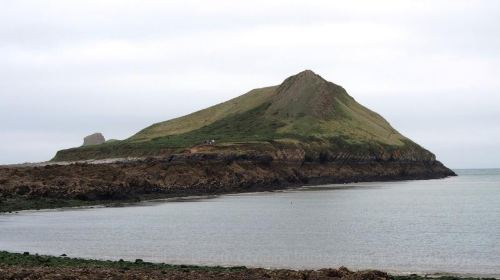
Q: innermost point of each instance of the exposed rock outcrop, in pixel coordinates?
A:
(94, 139)
(208, 173)
(81, 269)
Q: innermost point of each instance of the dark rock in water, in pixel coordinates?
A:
(94, 139)
(201, 174)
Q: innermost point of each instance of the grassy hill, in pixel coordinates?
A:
(304, 111)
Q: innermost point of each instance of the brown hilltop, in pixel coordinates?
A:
(305, 94)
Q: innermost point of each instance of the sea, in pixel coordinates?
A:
(444, 226)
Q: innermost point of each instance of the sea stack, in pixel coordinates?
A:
(94, 139)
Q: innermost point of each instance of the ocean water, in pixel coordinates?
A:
(450, 225)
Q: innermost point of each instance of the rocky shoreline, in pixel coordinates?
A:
(83, 183)
(27, 266)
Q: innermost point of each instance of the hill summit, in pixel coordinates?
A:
(305, 112)
(305, 94)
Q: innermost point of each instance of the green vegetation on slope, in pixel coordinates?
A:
(305, 109)
(205, 117)
(304, 104)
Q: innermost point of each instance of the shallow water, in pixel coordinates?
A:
(450, 225)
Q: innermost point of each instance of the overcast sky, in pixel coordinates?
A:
(71, 68)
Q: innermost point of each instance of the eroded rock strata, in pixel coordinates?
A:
(208, 173)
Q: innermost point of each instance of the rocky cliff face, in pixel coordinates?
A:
(94, 139)
(207, 173)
